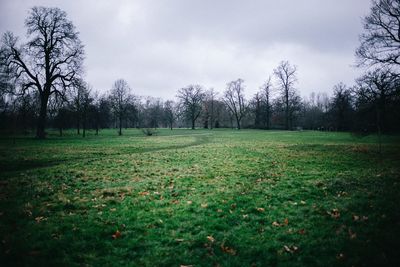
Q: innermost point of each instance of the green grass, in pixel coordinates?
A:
(201, 198)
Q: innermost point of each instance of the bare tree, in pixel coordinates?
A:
(378, 88)
(286, 77)
(169, 112)
(119, 98)
(49, 61)
(235, 101)
(342, 107)
(380, 44)
(266, 94)
(191, 99)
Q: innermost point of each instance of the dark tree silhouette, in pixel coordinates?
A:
(169, 113)
(49, 61)
(286, 77)
(380, 44)
(235, 101)
(119, 98)
(378, 89)
(191, 99)
(342, 107)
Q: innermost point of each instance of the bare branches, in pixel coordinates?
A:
(235, 101)
(380, 44)
(191, 98)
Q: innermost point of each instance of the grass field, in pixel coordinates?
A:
(200, 198)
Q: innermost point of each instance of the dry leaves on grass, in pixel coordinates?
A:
(284, 223)
(210, 238)
(260, 209)
(290, 249)
(227, 249)
(144, 193)
(116, 235)
(334, 213)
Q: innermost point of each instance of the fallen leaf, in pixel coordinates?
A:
(291, 249)
(144, 193)
(210, 238)
(40, 219)
(302, 231)
(334, 213)
(340, 256)
(228, 250)
(116, 235)
(356, 218)
(189, 202)
(179, 240)
(261, 209)
(204, 205)
(286, 221)
(219, 210)
(175, 201)
(352, 235)
(275, 224)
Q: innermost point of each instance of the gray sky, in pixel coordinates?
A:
(161, 46)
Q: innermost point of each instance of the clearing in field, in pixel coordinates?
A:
(200, 198)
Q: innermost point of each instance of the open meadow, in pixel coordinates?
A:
(200, 198)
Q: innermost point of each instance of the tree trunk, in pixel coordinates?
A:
(238, 123)
(84, 126)
(120, 125)
(193, 122)
(41, 124)
(60, 131)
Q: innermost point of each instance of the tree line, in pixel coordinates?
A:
(42, 86)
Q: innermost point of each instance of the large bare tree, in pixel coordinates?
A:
(286, 77)
(119, 98)
(380, 44)
(191, 99)
(49, 61)
(235, 101)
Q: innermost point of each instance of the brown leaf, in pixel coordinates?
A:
(116, 235)
(228, 250)
(302, 231)
(261, 209)
(334, 213)
(144, 193)
(275, 224)
(286, 221)
(211, 238)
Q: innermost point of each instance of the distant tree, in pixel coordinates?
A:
(119, 99)
(49, 61)
(379, 91)
(286, 77)
(256, 106)
(235, 101)
(209, 108)
(380, 44)
(266, 94)
(342, 107)
(169, 113)
(87, 101)
(191, 99)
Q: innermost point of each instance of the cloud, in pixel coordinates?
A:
(161, 46)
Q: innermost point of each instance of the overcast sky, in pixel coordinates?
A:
(161, 46)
